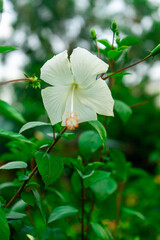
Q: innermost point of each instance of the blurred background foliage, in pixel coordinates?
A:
(42, 28)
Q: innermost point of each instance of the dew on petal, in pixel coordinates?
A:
(72, 121)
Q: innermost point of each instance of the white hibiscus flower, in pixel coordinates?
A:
(75, 95)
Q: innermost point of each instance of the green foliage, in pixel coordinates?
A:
(129, 41)
(97, 125)
(10, 112)
(50, 166)
(61, 212)
(1, 6)
(14, 136)
(99, 231)
(123, 110)
(30, 125)
(14, 165)
(5, 49)
(89, 142)
(4, 228)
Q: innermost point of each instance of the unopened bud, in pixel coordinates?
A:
(114, 26)
(93, 34)
(117, 40)
(156, 50)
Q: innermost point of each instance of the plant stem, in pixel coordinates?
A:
(139, 104)
(104, 78)
(82, 201)
(99, 54)
(16, 80)
(20, 190)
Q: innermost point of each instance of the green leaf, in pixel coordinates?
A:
(121, 166)
(68, 136)
(129, 41)
(10, 112)
(100, 231)
(15, 215)
(123, 110)
(4, 49)
(97, 125)
(30, 125)
(61, 212)
(123, 47)
(38, 201)
(104, 188)
(121, 74)
(105, 43)
(1, 6)
(114, 54)
(4, 228)
(89, 142)
(14, 136)
(28, 197)
(95, 177)
(50, 166)
(14, 165)
(133, 212)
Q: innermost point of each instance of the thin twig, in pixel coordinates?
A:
(99, 54)
(16, 80)
(126, 67)
(139, 104)
(20, 190)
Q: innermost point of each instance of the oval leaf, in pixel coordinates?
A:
(100, 231)
(10, 112)
(95, 177)
(113, 54)
(123, 110)
(129, 41)
(14, 136)
(4, 228)
(32, 125)
(62, 211)
(97, 125)
(14, 165)
(4, 49)
(50, 166)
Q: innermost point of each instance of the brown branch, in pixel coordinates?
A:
(20, 190)
(139, 104)
(126, 67)
(16, 80)
(99, 54)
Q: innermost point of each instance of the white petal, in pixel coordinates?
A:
(98, 97)
(86, 66)
(57, 70)
(54, 99)
(83, 112)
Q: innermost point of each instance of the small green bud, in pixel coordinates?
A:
(114, 26)
(156, 50)
(117, 40)
(93, 34)
(117, 33)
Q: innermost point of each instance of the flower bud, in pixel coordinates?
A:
(93, 34)
(114, 26)
(156, 50)
(117, 40)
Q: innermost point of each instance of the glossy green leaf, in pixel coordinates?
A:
(105, 43)
(97, 125)
(99, 231)
(50, 166)
(89, 142)
(10, 112)
(14, 165)
(28, 197)
(1, 6)
(5, 49)
(104, 188)
(121, 166)
(129, 41)
(30, 125)
(95, 177)
(15, 215)
(123, 48)
(123, 110)
(4, 228)
(133, 212)
(14, 136)
(61, 212)
(114, 54)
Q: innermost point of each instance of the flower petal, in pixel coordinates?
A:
(86, 66)
(54, 99)
(57, 70)
(83, 112)
(98, 97)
